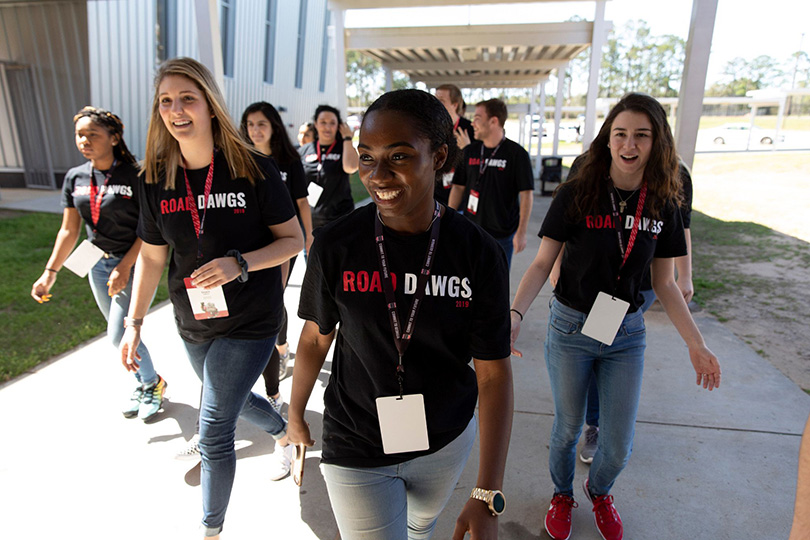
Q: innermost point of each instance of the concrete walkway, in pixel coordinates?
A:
(717, 465)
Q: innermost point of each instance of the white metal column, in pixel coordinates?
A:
(209, 41)
(558, 107)
(339, 19)
(389, 79)
(693, 84)
(597, 41)
(540, 130)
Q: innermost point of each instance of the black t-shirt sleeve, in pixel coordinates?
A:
(555, 225)
(524, 174)
(491, 323)
(148, 229)
(686, 192)
(296, 181)
(67, 191)
(274, 199)
(317, 302)
(671, 240)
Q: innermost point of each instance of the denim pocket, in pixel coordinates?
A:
(633, 327)
(562, 325)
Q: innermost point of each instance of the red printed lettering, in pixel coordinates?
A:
(348, 281)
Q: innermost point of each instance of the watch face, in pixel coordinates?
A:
(498, 503)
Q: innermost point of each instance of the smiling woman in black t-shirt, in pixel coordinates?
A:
(105, 194)
(618, 217)
(328, 161)
(399, 421)
(224, 215)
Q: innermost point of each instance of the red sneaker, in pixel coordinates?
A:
(558, 518)
(608, 521)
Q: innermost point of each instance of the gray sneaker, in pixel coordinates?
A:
(276, 403)
(191, 451)
(130, 410)
(588, 449)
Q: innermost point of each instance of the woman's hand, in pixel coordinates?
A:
(216, 273)
(706, 367)
(686, 287)
(129, 348)
(345, 131)
(119, 278)
(477, 520)
(462, 137)
(298, 432)
(516, 320)
(41, 289)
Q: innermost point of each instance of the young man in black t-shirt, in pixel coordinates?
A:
(496, 176)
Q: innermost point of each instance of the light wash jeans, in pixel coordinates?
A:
(228, 369)
(592, 414)
(397, 502)
(114, 309)
(571, 358)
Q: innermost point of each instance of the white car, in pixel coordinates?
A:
(740, 133)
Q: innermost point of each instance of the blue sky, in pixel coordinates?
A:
(743, 27)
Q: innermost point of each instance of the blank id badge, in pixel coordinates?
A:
(403, 424)
(472, 202)
(605, 318)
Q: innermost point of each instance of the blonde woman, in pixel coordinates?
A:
(225, 217)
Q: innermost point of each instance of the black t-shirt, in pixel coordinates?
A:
(444, 183)
(465, 314)
(591, 258)
(292, 174)
(118, 218)
(336, 199)
(508, 173)
(685, 207)
(238, 217)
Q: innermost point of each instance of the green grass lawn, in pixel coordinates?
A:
(359, 192)
(31, 333)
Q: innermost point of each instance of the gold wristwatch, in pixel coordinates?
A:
(494, 499)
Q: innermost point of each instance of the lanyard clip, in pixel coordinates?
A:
(401, 377)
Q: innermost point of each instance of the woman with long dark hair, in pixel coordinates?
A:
(328, 162)
(104, 194)
(618, 217)
(223, 215)
(262, 127)
(399, 422)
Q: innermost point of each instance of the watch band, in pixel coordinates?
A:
(488, 496)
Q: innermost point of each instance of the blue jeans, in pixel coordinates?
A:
(397, 502)
(228, 369)
(508, 247)
(114, 309)
(592, 414)
(571, 358)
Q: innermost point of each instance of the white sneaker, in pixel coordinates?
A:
(281, 461)
(191, 450)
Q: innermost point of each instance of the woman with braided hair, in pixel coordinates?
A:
(104, 194)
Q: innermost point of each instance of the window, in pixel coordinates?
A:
(270, 41)
(324, 50)
(227, 20)
(167, 29)
(302, 36)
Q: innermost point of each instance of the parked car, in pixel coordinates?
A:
(740, 133)
(354, 121)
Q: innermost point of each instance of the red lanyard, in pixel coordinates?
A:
(633, 232)
(402, 337)
(96, 194)
(455, 126)
(482, 164)
(318, 150)
(199, 224)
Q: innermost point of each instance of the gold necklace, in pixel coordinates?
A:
(623, 202)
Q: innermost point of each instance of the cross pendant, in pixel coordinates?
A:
(622, 206)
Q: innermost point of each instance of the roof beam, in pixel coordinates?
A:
(375, 4)
(496, 35)
(477, 66)
(483, 81)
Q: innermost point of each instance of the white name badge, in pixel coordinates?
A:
(447, 180)
(403, 424)
(472, 202)
(314, 194)
(83, 258)
(605, 318)
(206, 303)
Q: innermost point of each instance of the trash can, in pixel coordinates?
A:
(551, 174)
